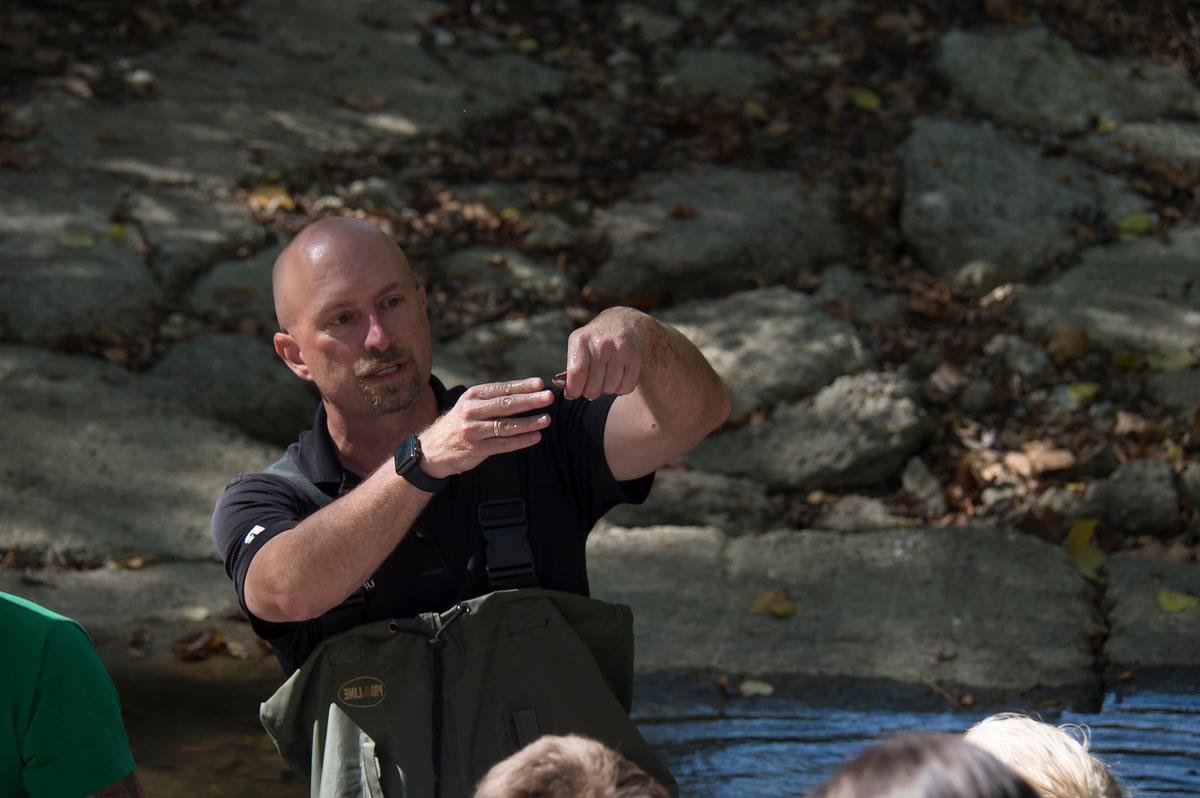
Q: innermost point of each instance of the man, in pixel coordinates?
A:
(353, 321)
(61, 733)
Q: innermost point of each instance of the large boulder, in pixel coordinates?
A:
(240, 380)
(695, 498)
(65, 271)
(1162, 144)
(711, 230)
(492, 276)
(858, 431)
(237, 291)
(976, 199)
(1140, 498)
(97, 468)
(770, 345)
(1029, 77)
(727, 74)
(1134, 297)
(912, 606)
(1142, 634)
(514, 348)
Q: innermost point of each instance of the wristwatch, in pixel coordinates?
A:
(408, 465)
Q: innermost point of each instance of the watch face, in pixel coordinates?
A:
(407, 454)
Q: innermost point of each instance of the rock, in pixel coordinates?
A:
(65, 272)
(1021, 357)
(978, 398)
(859, 514)
(128, 474)
(741, 336)
(922, 485)
(962, 620)
(695, 498)
(866, 301)
(375, 193)
(516, 348)
(859, 430)
(239, 290)
(1177, 391)
(189, 232)
(1138, 499)
(134, 616)
(549, 231)
(749, 229)
(726, 74)
(1130, 297)
(655, 28)
(1189, 482)
(1174, 144)
(240, 380)
(490, 275)
(1141, 635)
(975, 199)
(1029, 77)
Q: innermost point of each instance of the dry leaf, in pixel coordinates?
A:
(775, 603)
(1043, 458)
(1087, 557)
(196, 614)
(133, 563)
(1019, 464)
(1172, 601)
(754, 688)
(1129, 423)
(1134, 226)
(866, 99)
(269, 199)
(198, 645)
(1173, 361)
(683, 212)
(1069, 343)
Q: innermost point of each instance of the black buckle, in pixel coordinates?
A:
(509, 555)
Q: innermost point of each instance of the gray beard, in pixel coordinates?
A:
(386, 399)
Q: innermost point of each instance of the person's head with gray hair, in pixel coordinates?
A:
(925, 766)
(568, 766)
(1054, 759)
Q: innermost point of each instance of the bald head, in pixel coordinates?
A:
(327, 245)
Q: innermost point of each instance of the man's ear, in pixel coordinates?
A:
(289, 352)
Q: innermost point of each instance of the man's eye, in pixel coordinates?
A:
(341, 319)
(393, 301)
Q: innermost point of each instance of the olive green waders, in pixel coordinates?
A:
(443, 697)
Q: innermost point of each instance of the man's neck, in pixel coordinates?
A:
(363, 442)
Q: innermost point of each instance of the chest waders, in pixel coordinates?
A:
(422, 707)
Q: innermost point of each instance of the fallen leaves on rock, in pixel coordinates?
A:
(775, 603)
(1086, 556)
(1173, 602)
(202, 644)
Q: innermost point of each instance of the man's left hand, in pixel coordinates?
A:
(605, 356)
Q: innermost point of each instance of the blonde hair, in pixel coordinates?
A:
(1054, 759)
(568, 766)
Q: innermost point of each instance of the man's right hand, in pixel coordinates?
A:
(483, 422)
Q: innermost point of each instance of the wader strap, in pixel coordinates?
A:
(436, 644)
(526, 726)
(505, 526)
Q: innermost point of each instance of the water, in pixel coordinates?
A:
(202, 745)
(1151, 741)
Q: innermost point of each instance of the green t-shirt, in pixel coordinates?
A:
(61, 734)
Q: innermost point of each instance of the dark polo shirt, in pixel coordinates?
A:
(568, 487)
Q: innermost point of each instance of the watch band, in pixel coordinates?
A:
(408, 465)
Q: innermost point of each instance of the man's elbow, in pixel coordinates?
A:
(278, 603)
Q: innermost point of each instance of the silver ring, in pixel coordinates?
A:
(496, 427)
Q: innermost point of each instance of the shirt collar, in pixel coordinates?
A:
(318, 455)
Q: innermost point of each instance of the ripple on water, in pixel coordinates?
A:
(1152, 740)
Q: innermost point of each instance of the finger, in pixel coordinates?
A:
(512, 405)
(614, 375)
(597, 373)
(629, 380)
(510, 427)
(513, 442)
(491, 390)
(578, 364)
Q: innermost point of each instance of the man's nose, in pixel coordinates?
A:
(377, 339)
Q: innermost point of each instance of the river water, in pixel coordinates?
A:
(1151, 741)
(198, 745)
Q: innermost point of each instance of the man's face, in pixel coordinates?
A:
(362, 327)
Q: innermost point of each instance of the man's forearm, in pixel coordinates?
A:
(312, 568)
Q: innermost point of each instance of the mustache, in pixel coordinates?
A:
(387, 357)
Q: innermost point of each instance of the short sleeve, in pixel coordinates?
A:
(253, 509)
(579, 429)
(75, 743)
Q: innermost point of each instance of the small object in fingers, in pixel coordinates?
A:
(559, 379)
